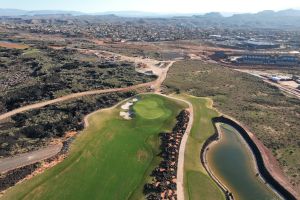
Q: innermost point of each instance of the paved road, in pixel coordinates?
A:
(293, 92)
(21, 160)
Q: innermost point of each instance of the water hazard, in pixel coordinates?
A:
(232, 162)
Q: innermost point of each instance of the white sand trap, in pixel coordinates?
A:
(126, 106)
(125, 115)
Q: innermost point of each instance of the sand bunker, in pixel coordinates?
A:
(126, 106)
(126, 114)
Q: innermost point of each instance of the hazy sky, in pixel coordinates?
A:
(163, 6)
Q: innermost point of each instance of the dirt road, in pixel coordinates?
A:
(162, 77)
(7, 164)
(72, 96)
(150, 64)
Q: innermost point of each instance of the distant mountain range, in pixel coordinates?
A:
(267, 13)
(16, 12)
(284, 19)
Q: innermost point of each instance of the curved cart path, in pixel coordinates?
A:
(180, 164)
(24, 159)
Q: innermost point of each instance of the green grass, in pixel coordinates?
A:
(198, 184)
(111, 159)
(149, 109)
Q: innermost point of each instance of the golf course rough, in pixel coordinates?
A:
(111, 159)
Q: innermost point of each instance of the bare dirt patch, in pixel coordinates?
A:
(142, 155)
(12, 45)
(290, 84)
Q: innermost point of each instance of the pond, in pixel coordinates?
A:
(232, 162)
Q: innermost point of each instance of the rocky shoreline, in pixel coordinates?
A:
(215, 137)
(262, 167)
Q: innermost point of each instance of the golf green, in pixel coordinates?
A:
(150, 109)
(111, 159)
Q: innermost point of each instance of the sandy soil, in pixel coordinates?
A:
(13, 45)
(290, 84)
(125, 115)
(126, 106)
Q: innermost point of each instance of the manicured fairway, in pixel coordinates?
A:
(111, 159)
(197, 183)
